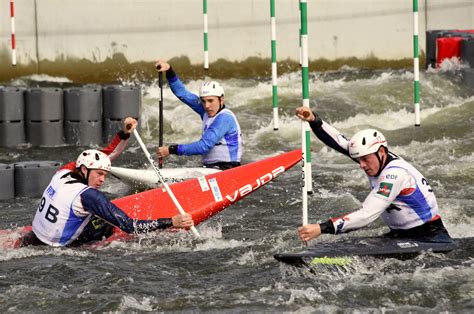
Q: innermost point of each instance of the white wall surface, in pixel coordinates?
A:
(144, 30)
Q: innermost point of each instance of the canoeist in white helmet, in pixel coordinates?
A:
(400, 194)
(72, 210)
(221, 141)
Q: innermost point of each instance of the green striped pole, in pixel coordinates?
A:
(274, 67)
(305, 133)
(299, 32)
(305, 76)
(206, 52)
(416, 64)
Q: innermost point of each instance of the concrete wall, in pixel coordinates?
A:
(144, 30)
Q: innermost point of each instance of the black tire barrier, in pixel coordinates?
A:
(44, 113)
(12, 133)
(468, 78)
(121, 102)
(45, 133)
(32, 177)
(12, 104)
(431, 48)
(112, 126)
(52, 117)
(467, 51)
(431, 37)
(83, 103)
(7, 183)
(83, 115)
(12, 111)
(44, 104)
(83, 133)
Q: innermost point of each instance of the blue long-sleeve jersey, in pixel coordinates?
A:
(221, 140)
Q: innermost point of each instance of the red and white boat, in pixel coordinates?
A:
(202, 197)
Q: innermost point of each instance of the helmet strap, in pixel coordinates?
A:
(221, 106)
(86, 177)
(381, 165)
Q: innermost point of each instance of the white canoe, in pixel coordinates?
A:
(147, 178)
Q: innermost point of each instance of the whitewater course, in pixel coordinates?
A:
(231, 267)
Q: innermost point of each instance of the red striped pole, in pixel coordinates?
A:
(12, 17)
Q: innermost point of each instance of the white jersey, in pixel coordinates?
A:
(67, 205)
(400, 195)
(60, 217)
(229, 147)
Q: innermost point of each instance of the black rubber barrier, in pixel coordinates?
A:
(12, 104)
(119, 102)
(12, 133)
(122, 101)
(12, 111)
(7, 183)
(112, 126)
(467, 51)
(431, 37)
(32, 177)
(83, 115)
(44, 104)
(44, 113)
(468, 77)
(431, 51)
(83, 103)
(83, 133)
(45, 133)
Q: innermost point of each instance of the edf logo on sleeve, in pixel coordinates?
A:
(385, 188)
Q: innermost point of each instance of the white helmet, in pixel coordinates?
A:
(93, 159)
(366, 142)
(211, 88)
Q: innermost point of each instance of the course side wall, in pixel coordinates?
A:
(144, 30)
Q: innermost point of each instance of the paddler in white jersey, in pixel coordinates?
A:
(400, 194)
(72, 199)
(221, 142)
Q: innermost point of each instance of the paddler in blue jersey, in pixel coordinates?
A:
(221, 141)
(72, 210)
(399, 192)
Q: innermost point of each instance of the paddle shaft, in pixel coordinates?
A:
(160, 130)
(167, 188)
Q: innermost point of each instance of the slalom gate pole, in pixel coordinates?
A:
(416, 65)
(305, 133)
(167, 188)
(206, 52)
(305, 81)
(274, 67)
(299, 34)
(12, 19)
(160, 127)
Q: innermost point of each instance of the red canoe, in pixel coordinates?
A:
(202, 197)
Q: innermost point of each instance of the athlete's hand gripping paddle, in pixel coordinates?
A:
(167, 188)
